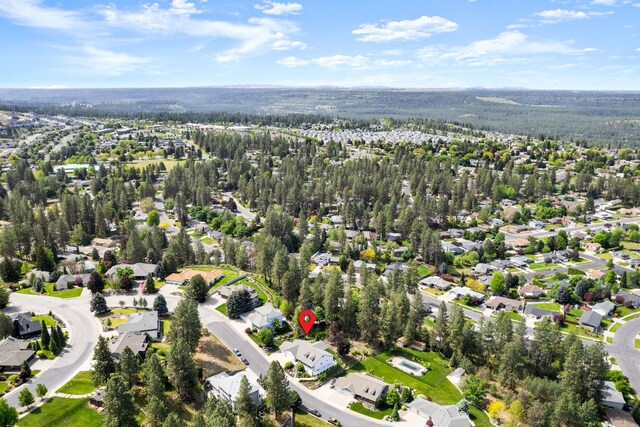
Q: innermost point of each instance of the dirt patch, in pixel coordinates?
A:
(215, 357)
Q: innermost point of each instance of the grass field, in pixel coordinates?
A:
(80, 384)
(360, 408)
(632, 246)
(304, 419)
(50, 291)
(214, 357)
(222, 308)
(553, 306)
(48, 320)
(60, 412)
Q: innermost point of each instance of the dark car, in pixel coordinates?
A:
(245, 361)
(333, 421)
(315, 412)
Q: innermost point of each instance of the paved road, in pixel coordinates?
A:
(624, 351)
(83, 328)
(246, 213)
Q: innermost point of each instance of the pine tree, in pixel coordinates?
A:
(333, 294)
(150, 285)
(128, 366)
(45, 338)
(181, 369)
(244, 403)
(98, 304)
(153, 377)
(173, 421)
(277, 386)
(186, 324)
(198, 288)
(103, 364)
(155, 412)
(160, 305)
(119, 407)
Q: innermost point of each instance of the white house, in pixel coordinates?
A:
(313, 357)
(227, 387)
(264, 317)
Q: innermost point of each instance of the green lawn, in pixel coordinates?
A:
(360, 408)
(80, 384)
(60, 412)
(50, 291)
(430, 323)
(636, 343)
(553, 306)
(514, 316)
(423, 270)
(625, 311)
(615, 327)
(304, 419)
(3, 386)
(633, 246)
(48, 320)
(542, 266)
(222, 308)
(166, 326)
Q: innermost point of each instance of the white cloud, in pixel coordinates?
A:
(341, 61)
(292, 61)
(605, 2)
(561, 15)
(509, 45)
(32, 13)
(279, 9)
(106, 62)
(404, 30)
(516, 26)
(638, 49)
(254, 36)
(392, 63)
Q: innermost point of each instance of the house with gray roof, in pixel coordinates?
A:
(227, 387)
(611, 397)
(628, 296)
(435, 282)
(538, 313)
(265, 316)
(65, 280)
(362, 387)
(313, 356)
(440, 416)
(25, 326)
(143, 322)
(13, 353)
(137, 343)
(140, 270)
(591, 320)
(604, 308)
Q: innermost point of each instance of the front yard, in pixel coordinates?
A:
(79, 385)
(61, 412)
(50, 291)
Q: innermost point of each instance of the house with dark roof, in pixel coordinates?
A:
(137, 343)
(24, 327)
(13, 353)
(538, 313)
(591, 320)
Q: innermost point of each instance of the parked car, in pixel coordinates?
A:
(315, 412)
(333, 421)
(237, 352)
(245, 361)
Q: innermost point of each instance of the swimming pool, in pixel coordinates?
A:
(408, 366)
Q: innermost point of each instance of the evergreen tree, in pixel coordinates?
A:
(160, 305)
(334, 292)
(244, 404)
(120, 410)
(181, 369)
(239, 302)
(128, 366)
(103, 364)
(155, 412)
(4, 295)
(98, 304)
(45, 338)
(150, 285)
(277, 387)
(198, 288)
(186, 324)
(153, 377)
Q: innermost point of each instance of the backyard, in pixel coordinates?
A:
(61, 412)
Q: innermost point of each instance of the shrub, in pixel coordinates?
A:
(288, 365)
(299, 367)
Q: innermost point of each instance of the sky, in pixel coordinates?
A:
(536, 44)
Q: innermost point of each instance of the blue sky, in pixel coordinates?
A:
(546, 44)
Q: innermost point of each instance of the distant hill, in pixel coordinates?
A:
(603, 117)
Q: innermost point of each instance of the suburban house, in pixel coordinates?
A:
(435, 282)
(461, 291)
(75, 279)
(624, 296)
(591, 320)
(25, 326)
(227, 290)
(227, 387)
(592, 247)
(313, 357)
(137, 343)
(498, 303)
(604, 308)
(362, 387)
(264, 317)
(482, 269)
(538, 313)
(530, 291)
(140, 270)
(97, 398)
(611, 397)
(13, 353)
(441, 416)
(521, 261)
(184, 277)
(143, 322)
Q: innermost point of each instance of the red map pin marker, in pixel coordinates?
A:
(306, 318)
